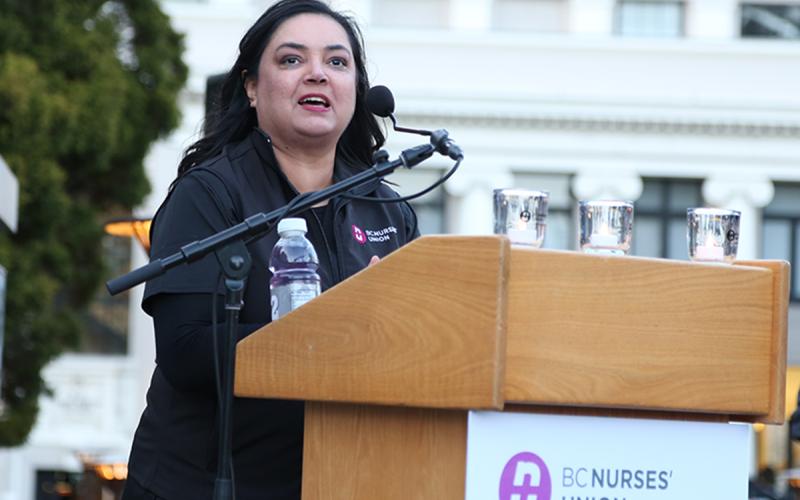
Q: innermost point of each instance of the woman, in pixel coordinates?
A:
(292, 118)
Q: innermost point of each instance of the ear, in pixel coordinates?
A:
(250, 88)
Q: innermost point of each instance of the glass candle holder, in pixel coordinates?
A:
(606, 226)
(521, 214)
(713, 234)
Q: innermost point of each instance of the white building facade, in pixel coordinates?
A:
(665, 103)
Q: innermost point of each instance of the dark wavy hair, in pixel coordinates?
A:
(231, 118)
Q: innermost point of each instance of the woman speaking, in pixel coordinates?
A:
(291, 118)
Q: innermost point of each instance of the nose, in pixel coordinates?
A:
(316, 73)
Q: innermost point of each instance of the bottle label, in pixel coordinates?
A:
(288, 297)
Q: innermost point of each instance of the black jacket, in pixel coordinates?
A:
(175, 446)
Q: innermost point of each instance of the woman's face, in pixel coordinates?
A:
(305, 91)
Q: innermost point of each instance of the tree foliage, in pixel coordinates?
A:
(85, 88)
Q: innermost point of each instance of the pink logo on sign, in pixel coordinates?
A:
(359, 235)
(525, 477)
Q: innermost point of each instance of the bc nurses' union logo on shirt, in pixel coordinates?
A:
(359, 235)
(525, 477)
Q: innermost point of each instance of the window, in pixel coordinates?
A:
(430, 208)
(649, 18)
(659, 217)
(561, 232)
(56, 485)
(535, 16)
(781, 231)
(768, 20)
(410, 13)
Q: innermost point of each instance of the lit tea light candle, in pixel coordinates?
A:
(523, 232)
(521, 215)
(605, 226)
(709, 251)
(603, 240)
(712, 234)
(523, 236)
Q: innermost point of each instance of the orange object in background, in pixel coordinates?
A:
(131, 227)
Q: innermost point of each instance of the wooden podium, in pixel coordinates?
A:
(390, 360)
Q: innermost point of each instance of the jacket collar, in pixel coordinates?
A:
(341, 169)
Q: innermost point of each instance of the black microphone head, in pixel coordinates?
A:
(380, 101)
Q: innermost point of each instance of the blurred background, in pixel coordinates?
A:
(671, 104)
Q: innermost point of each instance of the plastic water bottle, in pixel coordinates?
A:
(294, 265)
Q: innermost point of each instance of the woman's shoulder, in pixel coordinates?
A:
(204, 186)
(218, 172)
(219, 166)
(208, 186)
(215, 169)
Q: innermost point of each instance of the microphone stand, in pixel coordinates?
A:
(235, 262)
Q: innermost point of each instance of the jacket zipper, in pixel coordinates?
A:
(338, 204)
(337, 272)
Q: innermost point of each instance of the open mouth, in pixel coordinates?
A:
(314, 101)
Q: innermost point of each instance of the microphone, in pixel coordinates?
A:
(380, 102)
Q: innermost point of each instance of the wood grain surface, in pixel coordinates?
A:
(361, 452)
(781, 274)
(635, 333)
(424, 327)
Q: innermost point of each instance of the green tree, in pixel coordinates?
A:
(85, 87)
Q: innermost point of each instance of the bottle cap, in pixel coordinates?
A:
(292, 224)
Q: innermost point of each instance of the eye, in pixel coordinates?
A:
(338, 62)
(290, 60)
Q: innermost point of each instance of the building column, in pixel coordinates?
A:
(16, 475)
(712, 19)
(471, 209)
(747, 194)
(591, 17)
(141, 339)
(600, 184)
(5, 474)
(473, 15)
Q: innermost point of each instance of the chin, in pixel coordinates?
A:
(320, 133)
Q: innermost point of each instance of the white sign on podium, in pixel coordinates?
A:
(517, 456)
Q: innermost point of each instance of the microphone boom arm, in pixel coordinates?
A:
(397, 128)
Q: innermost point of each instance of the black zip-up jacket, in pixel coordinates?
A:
(175, 447)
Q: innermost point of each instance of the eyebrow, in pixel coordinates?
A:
(300, 46)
